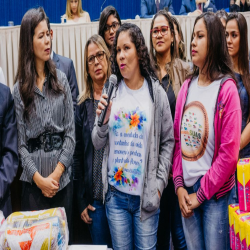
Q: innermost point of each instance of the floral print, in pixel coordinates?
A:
(131, 119)
(120, 179)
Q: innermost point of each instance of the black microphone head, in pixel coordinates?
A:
(113, 79)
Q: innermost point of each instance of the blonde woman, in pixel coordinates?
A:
(87, 160)
(75, 13)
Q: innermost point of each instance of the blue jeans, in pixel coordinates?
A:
(128, 232)
(170, 219)
(208, 228)
(99, 228)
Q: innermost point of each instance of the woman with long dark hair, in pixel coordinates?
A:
(237, 44)
(180, 44)
(88, 160)
(138, 138)
(207, 138)
(109, 23)
(172, 72)
(45, 119)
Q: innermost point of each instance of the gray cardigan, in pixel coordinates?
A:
(159, 150)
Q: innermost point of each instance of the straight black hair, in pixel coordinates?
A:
(108, 11)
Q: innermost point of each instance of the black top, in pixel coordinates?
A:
(241, 8)
(170, 93)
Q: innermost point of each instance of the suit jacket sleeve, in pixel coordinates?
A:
(170, 7)
(73, 84)
(183, 10)
(144, 10)
(9, 147)
(212, 5)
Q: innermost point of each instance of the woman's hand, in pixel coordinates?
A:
(184, 202)
(85, 215)
(101, 105)
(194, 202)
(48, 186)
(57, 173)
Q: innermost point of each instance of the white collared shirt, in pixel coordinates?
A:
(158, 0)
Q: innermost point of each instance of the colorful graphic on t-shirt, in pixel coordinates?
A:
(127, 152)
(129, 119)
(120, 178)
(194, 131)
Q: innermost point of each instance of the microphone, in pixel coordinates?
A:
(112, 85)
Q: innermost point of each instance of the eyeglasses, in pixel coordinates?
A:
(114, 26)
(163, 30)
(99, 55)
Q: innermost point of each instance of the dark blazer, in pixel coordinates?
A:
(188, 6)
(8, 148)
(148, 7)
(241, 8)
(67, 67)
(83, 157)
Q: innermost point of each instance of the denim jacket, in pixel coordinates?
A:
(159, 150)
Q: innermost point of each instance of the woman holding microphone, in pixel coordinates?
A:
(138, 137)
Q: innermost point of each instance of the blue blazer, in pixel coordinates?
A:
(148, 7)
(8, 148)
(190, 6)
(67, 67)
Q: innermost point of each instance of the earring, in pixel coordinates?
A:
(172, 44)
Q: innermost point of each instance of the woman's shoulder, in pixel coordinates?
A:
(16, 89)
(84, 17)
(62, 79)
(181, 65)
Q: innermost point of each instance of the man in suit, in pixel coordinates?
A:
(8, 148)
(150, 7)
(189, 7)
(67, 67)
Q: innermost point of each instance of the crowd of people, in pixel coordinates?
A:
(164, 160)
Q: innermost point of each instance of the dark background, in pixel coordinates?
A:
(13, 10)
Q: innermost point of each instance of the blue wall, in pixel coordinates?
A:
(13, 10)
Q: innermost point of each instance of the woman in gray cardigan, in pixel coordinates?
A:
(138, 137)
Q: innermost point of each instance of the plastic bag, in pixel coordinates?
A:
(38, 230)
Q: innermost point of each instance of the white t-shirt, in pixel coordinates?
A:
(197, 130)
(129, 125)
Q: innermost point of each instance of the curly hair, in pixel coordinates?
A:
(136, 37)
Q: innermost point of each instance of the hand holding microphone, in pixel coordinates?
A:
(104, 106)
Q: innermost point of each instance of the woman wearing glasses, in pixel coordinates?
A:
(87, 160)
(108, 25)
(172, 72)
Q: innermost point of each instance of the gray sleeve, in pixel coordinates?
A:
(166, 147)
(100, 134)
(67, 151)
(28, 165)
